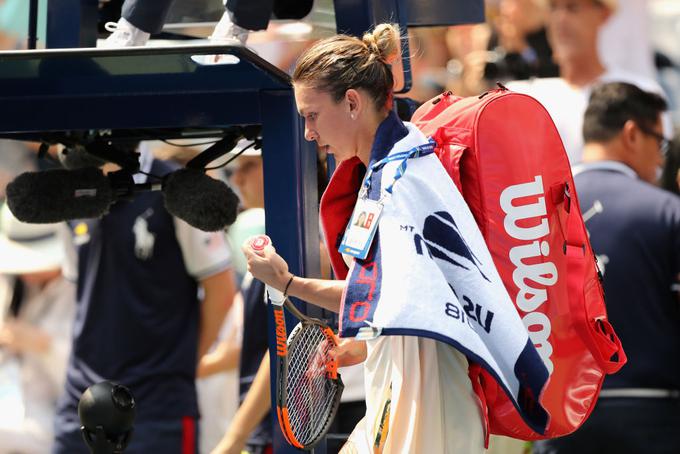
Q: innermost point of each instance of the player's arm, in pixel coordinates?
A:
(350, 352)
(219, 290)
(272, 269)
(254, 407)
(224, 357)
(227, 352)
(323, 293)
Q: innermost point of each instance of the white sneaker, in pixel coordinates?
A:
(227, 31)
(124, 34)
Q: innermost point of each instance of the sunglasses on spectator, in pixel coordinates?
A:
(664, 144)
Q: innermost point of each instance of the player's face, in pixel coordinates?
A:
(326, 121)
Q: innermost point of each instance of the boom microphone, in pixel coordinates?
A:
(203, 202)
(59, 194)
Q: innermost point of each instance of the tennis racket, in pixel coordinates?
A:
(308, 386)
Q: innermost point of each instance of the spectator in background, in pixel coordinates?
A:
(248, 179)
(140, 320)
(251, 432)
(246, 354)
(520, 43)
(35, 327)
(573, 27)
(429, 55)
(467, 46)
(637, 232)
(517, 48)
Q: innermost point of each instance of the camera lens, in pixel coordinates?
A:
(122, 398)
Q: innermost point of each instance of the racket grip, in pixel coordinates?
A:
(275, 296)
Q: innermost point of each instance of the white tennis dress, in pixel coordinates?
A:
(419, 399)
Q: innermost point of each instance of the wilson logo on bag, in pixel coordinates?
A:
(532, 280)
(503, 152)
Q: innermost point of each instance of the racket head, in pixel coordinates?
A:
(309, 387)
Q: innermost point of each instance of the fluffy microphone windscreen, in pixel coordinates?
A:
(59, 195)
(199, 200)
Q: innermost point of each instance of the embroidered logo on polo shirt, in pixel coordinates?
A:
(81, 234)
(144, 239)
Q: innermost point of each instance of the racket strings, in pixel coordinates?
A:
(311, 393)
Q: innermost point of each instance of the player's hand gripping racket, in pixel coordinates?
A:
(308, 386)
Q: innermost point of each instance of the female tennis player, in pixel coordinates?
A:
(418, 395)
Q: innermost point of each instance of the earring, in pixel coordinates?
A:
(351, 116)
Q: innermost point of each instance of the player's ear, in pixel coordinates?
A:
(354, 103)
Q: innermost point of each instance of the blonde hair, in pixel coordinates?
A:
(344, 62)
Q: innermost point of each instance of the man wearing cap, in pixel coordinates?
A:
(35, 328)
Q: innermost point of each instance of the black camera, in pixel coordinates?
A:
(107, 412)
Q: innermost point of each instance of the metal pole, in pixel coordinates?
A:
(32, 24)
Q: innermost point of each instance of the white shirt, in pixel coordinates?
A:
(419, 399)
(620, 48)
(567, 104)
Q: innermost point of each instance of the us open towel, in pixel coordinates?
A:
(430, 274)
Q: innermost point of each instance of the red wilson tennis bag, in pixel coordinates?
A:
(504, 153)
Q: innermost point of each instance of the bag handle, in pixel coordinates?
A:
(606, 330)
(597, 333)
